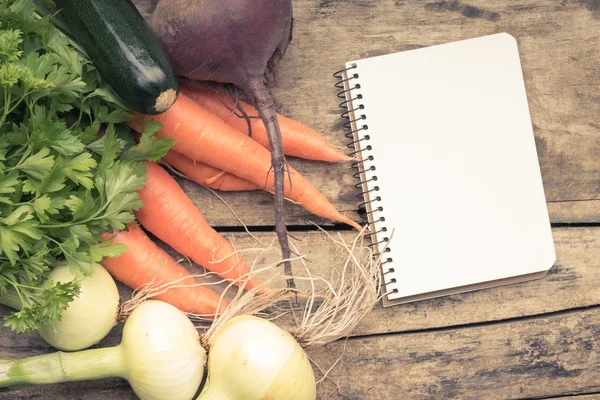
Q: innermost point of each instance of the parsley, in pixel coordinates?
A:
(61, 186)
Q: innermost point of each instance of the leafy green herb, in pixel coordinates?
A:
(62, 183)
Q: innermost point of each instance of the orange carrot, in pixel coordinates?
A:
(204, 137)
(298, 140)
(145, 263)
(206, 175)
(172, 217)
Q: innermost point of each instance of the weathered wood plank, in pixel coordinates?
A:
(479, 370)
(536, 357)
(104, 389)
(560, 47)
(584, 211)
(571, 284)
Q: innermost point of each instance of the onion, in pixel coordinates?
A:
(88, 318)
(160, 355)
(252, 358)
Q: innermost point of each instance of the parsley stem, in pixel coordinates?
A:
(25, 93)
(7, 101)
(83, 99)
(23, 158)
(66, 225)
(16, 153)
(94, 217)
(26, 203)
(55, 242)
(18, 286)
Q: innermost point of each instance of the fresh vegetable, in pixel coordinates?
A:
(202, 136)
(144, 264)
(88, 318)
(238, 42)
(298, 140)
(206, 175)
(251, 358)
(171, 216)
(160, 355)
(125, 51)
(60, 186)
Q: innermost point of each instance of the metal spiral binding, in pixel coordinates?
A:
(354, 114)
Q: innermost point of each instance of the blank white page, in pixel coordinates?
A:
(456, 165)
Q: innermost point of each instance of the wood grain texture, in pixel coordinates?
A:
(560, 49)
(572, 283)
(491, 344)
(465, 358)
(532, 358)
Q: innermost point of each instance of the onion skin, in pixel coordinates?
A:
(160, 355)
(162, 351)
(90, 316)
(252, 359)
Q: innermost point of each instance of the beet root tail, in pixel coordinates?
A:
(266, 108)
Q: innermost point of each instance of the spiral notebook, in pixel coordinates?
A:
(448, 163)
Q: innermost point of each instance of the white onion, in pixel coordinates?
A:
(160, 355)
(90, 316)
(162, 352)
(252, 359)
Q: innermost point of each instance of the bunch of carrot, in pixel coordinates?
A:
(211, 149)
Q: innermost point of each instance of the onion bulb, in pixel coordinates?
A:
(251, 359)
(88, 318)
(160, 355)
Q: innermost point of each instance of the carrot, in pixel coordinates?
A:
(298, 140)
(172, 217)
(145, 263)
(206, 175)
(202, 136)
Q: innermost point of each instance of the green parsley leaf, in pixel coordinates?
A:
(106, 249)
(79, 169)
(9, 45)
(151, 147)
(43, 309)
(38, 165)
(9, 182)
(62, 184)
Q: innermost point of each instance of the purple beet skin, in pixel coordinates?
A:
(238, 42)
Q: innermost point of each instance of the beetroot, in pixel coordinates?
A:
(238, 42)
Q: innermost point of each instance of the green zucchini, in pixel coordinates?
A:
(125, 51)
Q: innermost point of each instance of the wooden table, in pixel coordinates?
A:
(531, 341)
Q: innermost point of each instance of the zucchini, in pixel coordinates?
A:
(124, 50)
